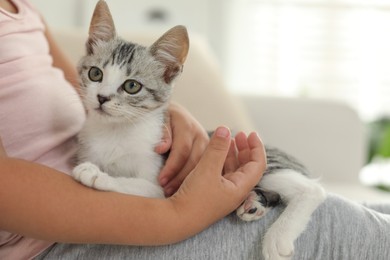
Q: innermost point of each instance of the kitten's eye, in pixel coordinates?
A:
(132, 87)
(95, 74)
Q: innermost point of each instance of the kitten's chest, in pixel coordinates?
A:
(127, 152)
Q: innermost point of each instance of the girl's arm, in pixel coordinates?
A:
(40, 202)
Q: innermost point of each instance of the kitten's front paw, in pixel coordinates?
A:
(86, 173)
(277, 245)
(251, 209)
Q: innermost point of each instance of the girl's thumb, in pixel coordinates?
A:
(214, 156)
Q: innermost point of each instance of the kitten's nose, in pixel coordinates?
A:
(102, 99)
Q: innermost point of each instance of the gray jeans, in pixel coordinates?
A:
(339, 229)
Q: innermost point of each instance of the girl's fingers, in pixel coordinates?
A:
(213, 158)
(231, 162)
(243, 148)
(196, 153)
(180, 151)
(258, 149)
(166, 140)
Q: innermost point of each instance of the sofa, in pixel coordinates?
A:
(327, 136)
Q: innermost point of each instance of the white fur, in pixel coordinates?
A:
(125, 151)
(301, 196)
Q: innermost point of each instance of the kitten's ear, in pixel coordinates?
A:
(171, 49)
(102, 26)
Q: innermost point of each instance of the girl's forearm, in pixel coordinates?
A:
(40, 202)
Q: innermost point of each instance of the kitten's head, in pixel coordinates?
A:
(121, 80)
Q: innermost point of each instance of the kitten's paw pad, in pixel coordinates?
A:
(251, 209)
(277, 247)
(86, 173)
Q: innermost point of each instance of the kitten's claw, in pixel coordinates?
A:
(86, 173)
(252, 208)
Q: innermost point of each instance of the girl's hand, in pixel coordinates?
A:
(187, 140)
(223, 177)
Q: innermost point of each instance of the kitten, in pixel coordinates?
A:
(126, 89)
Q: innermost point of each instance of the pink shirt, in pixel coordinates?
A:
(40, 112)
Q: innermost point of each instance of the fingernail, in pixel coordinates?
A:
(222, 132)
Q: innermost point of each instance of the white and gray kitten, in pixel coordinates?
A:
(126, 89)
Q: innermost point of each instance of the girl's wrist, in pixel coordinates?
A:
(192, 214)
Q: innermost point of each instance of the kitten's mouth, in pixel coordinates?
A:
(101, 111)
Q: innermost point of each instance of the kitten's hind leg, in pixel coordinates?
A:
(301, 196)
(257, 204)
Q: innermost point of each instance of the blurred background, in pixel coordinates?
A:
(327, 49)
